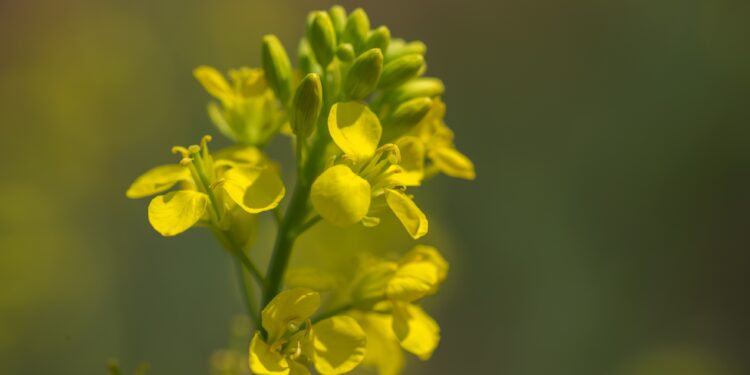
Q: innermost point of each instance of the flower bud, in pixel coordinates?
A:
(345, 52)
(277, 67)
(308, 100)
(306, 60)
(398, 48)
(338, 19)
(424, 86)
(356, 29)
(398, 71)
(378, 38)
(363, 76)
(405, 117)
(322, 38)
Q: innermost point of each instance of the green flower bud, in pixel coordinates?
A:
(397, 72)
(277, 68)
(363, 76)
(405, 117)
(338, 18)
(399, 48)
(322, 38)
(425, 86)
(308, 100)
(307, 63)
(345, 52)
(356, 29)
(378, 38)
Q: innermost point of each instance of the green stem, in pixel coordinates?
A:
(245, 290)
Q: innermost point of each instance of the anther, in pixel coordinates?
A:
(186, 161)
(182, 150)
(194, 149)
(206, 138)
(217, 183)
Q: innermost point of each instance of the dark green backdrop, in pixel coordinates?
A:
(606, 233)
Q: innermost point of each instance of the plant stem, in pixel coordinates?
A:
(245, 290)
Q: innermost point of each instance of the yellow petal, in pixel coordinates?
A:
(453, 163)
(371, 286)
(412, 281)
(407, 212)
(213, 82)
(157, 180)
(174, 213)
(254, 189)
(424, 253)
(339, 344)
(355, 129)
(216, 114)
(418, 332)
(383, 348)
(289, 308)
(296, 368)
(340, 196)
(265, 361)
(412, 160)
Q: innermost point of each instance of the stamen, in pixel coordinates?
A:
(297, 351)
(204, 141)
(216, 184)
(182, 150)
(194, 149)
(186, 161)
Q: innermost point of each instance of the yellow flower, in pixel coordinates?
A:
(209, 189)
(248, 113)
(368, 178)
(437, 141)
(333, 346)
(392, 288)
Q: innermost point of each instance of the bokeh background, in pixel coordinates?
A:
(607, 232)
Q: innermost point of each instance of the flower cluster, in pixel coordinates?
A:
(368, 128)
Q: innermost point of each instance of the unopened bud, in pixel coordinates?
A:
(308, 100)
(356, 29)
(397, 72)
(363, 76)
(306, 59)
(424, 86)
(345, 52)
(338, 18)
(411, 112)
(277, 68)
(379, 38)
(322, 38)
(405, 117)
(399, 48)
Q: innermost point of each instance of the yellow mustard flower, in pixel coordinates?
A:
(333, 346)
(209, 189)
(436, 139)
(391, 289)
(368, 177)
(249, 113)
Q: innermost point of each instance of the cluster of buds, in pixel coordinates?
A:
(367, 125)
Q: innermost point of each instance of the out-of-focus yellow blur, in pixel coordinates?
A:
(607, 231)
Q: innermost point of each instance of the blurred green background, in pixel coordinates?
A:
(607, 232)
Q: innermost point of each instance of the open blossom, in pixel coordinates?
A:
(392, 290)
(246, 111)
(208, 188)
(293, 343)
(369, 178)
